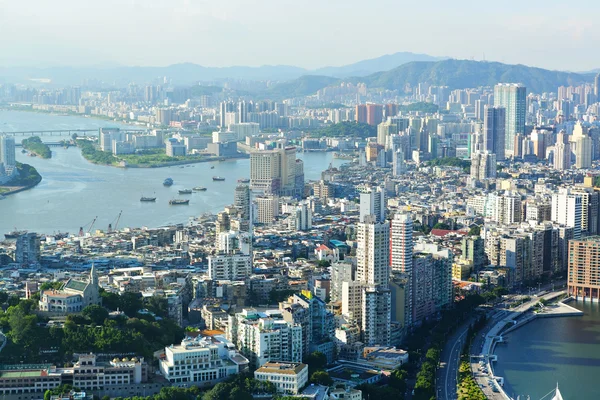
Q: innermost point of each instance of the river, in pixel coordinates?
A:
(547, 351)
(73, 191)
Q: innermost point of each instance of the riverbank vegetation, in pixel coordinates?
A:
(35, 145)
(27, 176)
(90, 153)
(154, 157)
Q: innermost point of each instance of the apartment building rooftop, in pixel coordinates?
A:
(281, 368)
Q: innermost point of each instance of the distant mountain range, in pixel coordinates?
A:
(188, 73)
(392, 72)
(379, 64)
(459, 74)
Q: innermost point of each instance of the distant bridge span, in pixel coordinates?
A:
(64, 132)
(50, 144)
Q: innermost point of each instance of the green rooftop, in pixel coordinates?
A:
(76, 285)
(20, 374)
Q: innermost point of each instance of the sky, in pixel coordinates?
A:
(306, 33)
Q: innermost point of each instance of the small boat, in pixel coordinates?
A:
(148, 199)
(178, 202)
(168, 182)
(200, 189)
(218, 178)
(243, 180)
(185, 191)
(14, 234)
(213, 167)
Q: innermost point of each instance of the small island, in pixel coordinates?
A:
(27, 177)
(149, 158)
(35, 145)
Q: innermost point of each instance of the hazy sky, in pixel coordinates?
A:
(307, 33)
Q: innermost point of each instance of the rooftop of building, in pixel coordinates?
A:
(316, 392)
(282, 368)
(22, 374)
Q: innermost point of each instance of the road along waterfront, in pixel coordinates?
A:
(542, 352)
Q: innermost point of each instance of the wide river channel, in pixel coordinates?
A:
(73, 191)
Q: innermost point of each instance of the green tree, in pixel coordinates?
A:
(95, 313)
(474, 230)
(398, 380)
(22, 325)
(316, 361)
(321, 378)
(3, 297)
(51, 285)
(158, 305)
(130, 303)
(441, 225)
(110, 300)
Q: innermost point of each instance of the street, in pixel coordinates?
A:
(447, 374)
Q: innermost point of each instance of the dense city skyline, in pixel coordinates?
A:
(373, 231)
(164, 32)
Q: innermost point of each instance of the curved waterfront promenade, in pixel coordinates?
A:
(509, 320)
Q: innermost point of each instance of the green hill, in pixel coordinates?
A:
(460, 74)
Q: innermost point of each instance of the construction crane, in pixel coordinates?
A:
(110, 229)
(91, 225)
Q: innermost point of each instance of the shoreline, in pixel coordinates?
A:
(181, 162)
(19, 188)
(502, 327)
(4, 107)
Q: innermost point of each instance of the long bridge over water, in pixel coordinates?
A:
(66, 132)
(59, 132)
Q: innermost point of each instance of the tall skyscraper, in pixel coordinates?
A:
(483, 165)
(401, 259)
(494, 131)
(562, 152)
(372, 202)
(513, 97)
(274, 171)
(361, 113)
(242, 201)
(28, 249)
(242, 112)
(7, 153)
(376, 316)
(384, 130)
(374, 114)
(583, 146)
(398, 164)
(584, 268)
(567, 209)
(224, 108)
(372, 274)
(597, 87)
(372, 252)
(480, 109)
(402, 243)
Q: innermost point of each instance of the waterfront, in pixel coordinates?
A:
(547, 351)
(73, 191)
